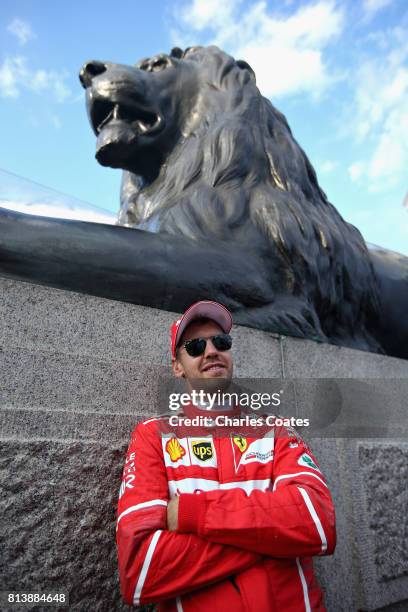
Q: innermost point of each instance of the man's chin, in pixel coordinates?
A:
(212, 383)
(215, 373)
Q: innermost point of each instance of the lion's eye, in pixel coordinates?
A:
(155, 64)
(143, 64)
(159, 64)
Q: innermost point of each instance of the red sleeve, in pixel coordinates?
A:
(154, 563)
(294, 519)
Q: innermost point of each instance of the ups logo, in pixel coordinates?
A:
(203, 450)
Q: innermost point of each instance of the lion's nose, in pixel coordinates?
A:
(90, 70)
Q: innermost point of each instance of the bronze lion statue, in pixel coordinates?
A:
(218, 201)
(208, 158)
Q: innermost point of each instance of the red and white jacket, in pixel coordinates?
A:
(252, 513)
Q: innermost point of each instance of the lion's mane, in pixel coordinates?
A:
(239, 175)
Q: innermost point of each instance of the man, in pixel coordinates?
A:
(216, 522)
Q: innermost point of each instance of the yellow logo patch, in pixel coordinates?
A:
(240, 442)
(174, 449)
(202, 449)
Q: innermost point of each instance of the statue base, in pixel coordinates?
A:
(79, 371)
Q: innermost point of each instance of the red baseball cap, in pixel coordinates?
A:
(204, 309)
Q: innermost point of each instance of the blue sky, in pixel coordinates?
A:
(338, 70)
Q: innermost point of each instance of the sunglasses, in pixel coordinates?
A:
(196, 346)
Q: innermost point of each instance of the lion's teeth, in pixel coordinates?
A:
(142, 126)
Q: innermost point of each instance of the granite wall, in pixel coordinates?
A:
(78, 372)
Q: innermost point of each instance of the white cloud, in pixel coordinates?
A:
(381, 101)
(208, 14)
(356, 171)
(57, 84)
(8, 85)
(21, 30)
(390, 158)
(328, 166)
(16, 76)
(371, 7)
(286, 51)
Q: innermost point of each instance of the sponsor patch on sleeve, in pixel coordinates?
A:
(307, 461)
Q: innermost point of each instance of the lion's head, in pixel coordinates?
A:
(208, 157)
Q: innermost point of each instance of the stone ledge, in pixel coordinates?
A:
(47, 380)
(67, 426)
(56, 321)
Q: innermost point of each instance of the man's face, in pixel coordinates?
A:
(211, 365)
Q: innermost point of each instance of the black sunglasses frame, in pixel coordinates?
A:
(223, 338)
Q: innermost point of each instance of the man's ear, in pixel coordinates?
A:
(178, 369)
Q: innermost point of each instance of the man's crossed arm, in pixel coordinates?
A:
(167, 549)
(155, 563)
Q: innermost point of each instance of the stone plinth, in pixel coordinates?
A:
(78, 372)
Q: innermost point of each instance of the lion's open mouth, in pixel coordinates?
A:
(105, 111)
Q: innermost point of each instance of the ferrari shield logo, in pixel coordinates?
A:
(240, 442)
(203, 450)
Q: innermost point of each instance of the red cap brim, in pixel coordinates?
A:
(205, 309)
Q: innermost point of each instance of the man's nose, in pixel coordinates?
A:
(210, 348)
(90, 70)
